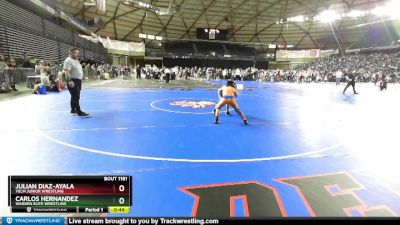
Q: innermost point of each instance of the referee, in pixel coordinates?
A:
(351, 77)
(74, 74)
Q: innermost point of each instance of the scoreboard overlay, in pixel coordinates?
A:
(86, 194)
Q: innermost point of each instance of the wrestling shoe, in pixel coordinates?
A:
(245, 122)
(216, 121)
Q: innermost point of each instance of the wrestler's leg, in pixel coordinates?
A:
(236, 107)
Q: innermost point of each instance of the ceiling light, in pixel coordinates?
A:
(298, 19)
(328, 16)
(355, 14)
(392, 9)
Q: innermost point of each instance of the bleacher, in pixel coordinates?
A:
(179, 48)
(204, 48)
(3, 42)
(22, 31)
(209, 49)
(239, 50)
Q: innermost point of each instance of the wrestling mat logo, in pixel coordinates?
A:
(193, 104)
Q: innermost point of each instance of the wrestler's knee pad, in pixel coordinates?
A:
(237, 110)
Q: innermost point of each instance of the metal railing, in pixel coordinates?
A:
(9, 77)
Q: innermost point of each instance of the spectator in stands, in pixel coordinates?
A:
(3, 64)
(4, 84)
(114, 73)
(40, 68)
(167, 73)
(94, 71)
(138, 72)
(338, 76)
(383, 84)
(34, 61)
(237, 74)
(6, 58)
(60, 80)
(37, 87)
(44, 80)
(12, 64)
(100, 72)
(55, 84)
(25, 61)
(85, 71)
(4, 88)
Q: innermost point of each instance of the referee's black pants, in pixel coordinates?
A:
(75, 95)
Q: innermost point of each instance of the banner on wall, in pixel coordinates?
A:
(301, 54)
(136, 47)
(124, 47)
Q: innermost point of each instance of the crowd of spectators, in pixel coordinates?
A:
(367, 67)
(204, 73)
(48, 75)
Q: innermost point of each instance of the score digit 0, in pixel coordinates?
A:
(121, 200)
(121, 188)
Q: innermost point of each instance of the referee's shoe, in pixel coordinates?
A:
(83, 114)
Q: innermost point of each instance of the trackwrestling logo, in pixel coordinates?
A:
(193, 104)
(33, 220)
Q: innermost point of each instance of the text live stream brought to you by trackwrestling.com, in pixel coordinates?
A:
(104, 221)
(183, 220)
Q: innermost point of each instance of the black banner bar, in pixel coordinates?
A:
(211, 221)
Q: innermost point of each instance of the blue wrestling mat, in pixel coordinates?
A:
(308, 151)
